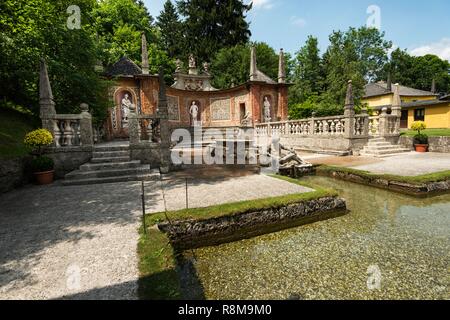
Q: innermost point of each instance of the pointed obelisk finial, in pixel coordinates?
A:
(253, 69)
(145, 65)
(396, 102)
(349, 100)
(389, 82)
(281, 68)
(46, 103)
(433, 86)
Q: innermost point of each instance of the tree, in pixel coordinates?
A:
(170, 28)
(358, 55)
(211, 25)
(231, 66)
(308, 72)
(34, 29)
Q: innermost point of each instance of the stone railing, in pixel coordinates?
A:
(374, 126)
(72, 130)
(324, 126)
(384, 125)
(144, 128)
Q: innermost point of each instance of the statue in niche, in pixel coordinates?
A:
(193, 110)
(267, 116)
(246, 121)
(192, 64)
(179, 65)
(206, 67)
(126, 107)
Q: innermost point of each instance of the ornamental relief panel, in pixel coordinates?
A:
(173, 106)
(220, 109)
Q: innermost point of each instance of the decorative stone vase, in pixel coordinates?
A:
(421, 147)
(43, 178)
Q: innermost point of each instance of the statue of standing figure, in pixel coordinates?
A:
(126, 107)
(193, 110)
(267, 116)
(192, 64)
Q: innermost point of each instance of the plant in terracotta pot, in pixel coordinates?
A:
(420, 139)
(42, 166)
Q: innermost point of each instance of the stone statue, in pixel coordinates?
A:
(179, 65)
(193, 110)
(206, 67)
(126, 107)
(267, 117)
(192, 64)
(246, 121)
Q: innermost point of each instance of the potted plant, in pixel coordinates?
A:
(41, 166)
(420, 139)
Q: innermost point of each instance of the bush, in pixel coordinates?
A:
(418, 126)
(419, 138)
(42, 164)
(38, 138)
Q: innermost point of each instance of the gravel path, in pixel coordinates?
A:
(80, 242)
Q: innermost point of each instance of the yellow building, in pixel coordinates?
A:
(417, 105)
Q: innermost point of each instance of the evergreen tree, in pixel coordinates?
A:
(170, 28)
(308, 72)
(211, 25)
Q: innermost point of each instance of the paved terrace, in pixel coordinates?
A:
(80, 242)
(406, 164)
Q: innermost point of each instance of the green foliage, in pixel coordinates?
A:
(171, 31)
(314, 104)
(13, 127)
(418, 72)
(232, 65)
(308, 75)
(31, 29)
(42, 164)
(429, 133)
(419, 138)
(210, 25)
(38, 138)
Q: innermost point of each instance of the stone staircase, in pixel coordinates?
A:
(111, 163)
(380, 148)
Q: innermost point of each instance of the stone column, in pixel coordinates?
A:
(86, 133)
(365, 132)
(397, 108)
(349, 112)
(383, 123)
(312, 129)
(163, 114)
(133, 128)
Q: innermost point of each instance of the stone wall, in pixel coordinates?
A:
(199, 233)
(147, 153)
(436, 144)
(329, 144)
(68, 159)
(13, 174)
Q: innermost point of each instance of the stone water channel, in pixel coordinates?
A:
(405, 239)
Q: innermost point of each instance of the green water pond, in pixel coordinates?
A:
(389, 246)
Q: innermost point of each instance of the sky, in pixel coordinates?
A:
(421, 27)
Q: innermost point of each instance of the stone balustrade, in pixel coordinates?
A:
(143, 128)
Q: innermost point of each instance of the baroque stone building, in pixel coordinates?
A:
(258, 100)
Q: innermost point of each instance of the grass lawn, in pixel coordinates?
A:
(157, 260)
(13, 128)
(417, 180)
(429, 132)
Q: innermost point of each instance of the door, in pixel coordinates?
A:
(404, 119)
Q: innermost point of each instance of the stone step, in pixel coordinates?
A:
(383, 152)
(110, 165)
(383, 144)
(380, 155)
(78, 174)
(379, 148)
(111, 148)
(110, 154)
(114, 159)
(153, 175)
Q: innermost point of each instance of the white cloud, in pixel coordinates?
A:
(299, 22)
(262, 4)
(441, 49)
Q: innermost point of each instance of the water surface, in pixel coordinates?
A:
(405, 239)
